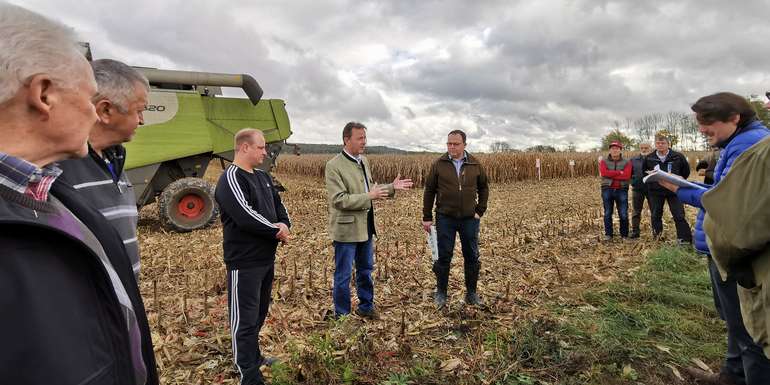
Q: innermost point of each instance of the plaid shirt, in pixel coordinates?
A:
(26, 178)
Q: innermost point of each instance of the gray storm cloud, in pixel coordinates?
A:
(546, 72)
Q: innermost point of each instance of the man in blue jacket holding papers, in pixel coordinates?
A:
(731, 124)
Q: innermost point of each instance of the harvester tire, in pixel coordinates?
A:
(187, 204)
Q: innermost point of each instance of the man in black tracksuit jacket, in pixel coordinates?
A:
(673, 162)
(254, 221)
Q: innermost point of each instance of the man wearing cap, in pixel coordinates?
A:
(616, 173)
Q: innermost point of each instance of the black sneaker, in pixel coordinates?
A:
(332, 316)
(472, 299)
(267, 360)
(439, 299)
(370, 314)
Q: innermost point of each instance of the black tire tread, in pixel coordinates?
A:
(167, 197)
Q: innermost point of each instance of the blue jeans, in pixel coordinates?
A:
(345, 254)
(615, 198)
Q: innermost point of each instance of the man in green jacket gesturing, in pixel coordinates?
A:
(351, 191)
(459, 186)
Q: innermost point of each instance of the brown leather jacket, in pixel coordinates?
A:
(456, 196)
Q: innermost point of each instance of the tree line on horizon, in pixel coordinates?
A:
(681, 129)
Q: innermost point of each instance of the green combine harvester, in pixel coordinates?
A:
(186, 125)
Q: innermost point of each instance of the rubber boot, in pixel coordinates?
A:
(471, 281)
(442, 282)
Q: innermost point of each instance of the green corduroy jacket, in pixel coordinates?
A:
(350, 208)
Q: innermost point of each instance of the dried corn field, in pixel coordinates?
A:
(500, 168)
(539, 243)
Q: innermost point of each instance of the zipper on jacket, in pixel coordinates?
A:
(459, 179)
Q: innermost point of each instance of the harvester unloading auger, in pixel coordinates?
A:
(186, 125)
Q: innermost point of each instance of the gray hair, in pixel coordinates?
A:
(117, 82)
(31, 44)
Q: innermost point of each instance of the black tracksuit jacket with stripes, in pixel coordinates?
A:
(249, 206)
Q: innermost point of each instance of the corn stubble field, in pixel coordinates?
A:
(539, 245)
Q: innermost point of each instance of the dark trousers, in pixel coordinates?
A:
(345, 254)
(615, 198)
(676, 207)
(637, 199)
(745, 361)
(249, 299)
(446, 230)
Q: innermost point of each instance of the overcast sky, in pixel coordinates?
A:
(526, 72)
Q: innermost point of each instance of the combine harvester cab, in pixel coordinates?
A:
(186, 125)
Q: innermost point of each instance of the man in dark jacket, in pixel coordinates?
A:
(638, 188)
(730, 123)
(458, 184)
(99, 177)
(673, 162)
(70, 302)
(706, 166)
(254, 221)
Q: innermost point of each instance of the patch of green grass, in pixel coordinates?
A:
(518, 379)
(624, 331)
(667, 303)
(348, 375)
(282, 374)
(397, 379)
(420, 371)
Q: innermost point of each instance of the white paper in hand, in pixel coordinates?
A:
(433, 243)
(657, 175)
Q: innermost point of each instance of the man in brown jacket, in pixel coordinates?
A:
(458, 185)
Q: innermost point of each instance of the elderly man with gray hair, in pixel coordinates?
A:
(99, 177)
(72, 312)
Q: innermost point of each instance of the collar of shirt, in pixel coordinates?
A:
(661, 156)
(465, 156)
(459, 162)
(357, 157)
(360, 163)
(26, 178)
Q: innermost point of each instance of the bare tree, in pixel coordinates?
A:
(500, 146)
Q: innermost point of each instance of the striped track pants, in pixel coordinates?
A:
(248, 299)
